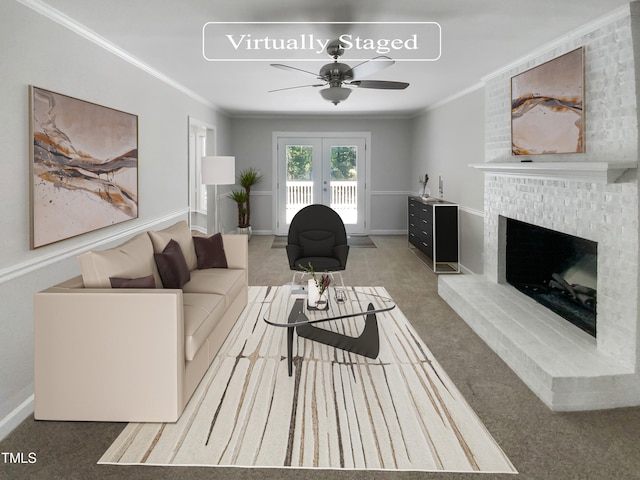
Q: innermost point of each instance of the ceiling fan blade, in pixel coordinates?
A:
(383, 84)
(294, 69)
(299, 86)
(369, 67)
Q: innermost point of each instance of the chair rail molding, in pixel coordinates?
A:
(49, 258)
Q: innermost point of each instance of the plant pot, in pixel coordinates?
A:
(245, 231)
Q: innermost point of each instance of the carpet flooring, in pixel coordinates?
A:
(542, 445)
(338, 410)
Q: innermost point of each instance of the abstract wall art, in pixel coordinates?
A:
(547, 107)
(84, 166)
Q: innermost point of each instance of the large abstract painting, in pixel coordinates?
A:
(547, 114)
(84, 167)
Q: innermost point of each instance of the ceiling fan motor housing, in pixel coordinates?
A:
(336, 73)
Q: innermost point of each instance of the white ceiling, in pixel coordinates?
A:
(478, 38)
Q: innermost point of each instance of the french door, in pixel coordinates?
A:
(326, 170)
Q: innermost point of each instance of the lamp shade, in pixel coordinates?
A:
(218, 170)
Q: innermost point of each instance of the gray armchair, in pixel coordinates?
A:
(317, 236)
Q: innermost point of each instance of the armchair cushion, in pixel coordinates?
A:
(210, 252)
(317, 243)
(320, 264)
(172, 266)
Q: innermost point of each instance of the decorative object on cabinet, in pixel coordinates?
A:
(83, 168)
(547, 107)
(423, 184)
(433, 231)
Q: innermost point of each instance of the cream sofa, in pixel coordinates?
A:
(133, 354)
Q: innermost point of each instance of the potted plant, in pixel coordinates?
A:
(241, 197)
(246, 179)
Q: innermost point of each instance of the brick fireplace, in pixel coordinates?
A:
(593, 196)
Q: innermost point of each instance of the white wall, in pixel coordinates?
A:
(447, 139)
(37, 51)
(391, 146)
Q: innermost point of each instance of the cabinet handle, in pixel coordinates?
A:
(426, 245)
(424, 233)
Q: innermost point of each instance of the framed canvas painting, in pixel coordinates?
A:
(84, 166)
(547, 107)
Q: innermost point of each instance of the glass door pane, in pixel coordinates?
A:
(299, 182)
(344, 182)
(299, 175)
(343, 188)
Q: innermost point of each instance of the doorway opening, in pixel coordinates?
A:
(202, 142)
(325, 168)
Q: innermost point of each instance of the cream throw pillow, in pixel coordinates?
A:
(132, 259)
(180, 233)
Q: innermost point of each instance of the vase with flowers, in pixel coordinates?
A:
(318, 296)
(423, 184)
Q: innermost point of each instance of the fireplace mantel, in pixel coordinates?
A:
(594, 172)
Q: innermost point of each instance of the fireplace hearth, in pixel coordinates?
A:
(557, 270)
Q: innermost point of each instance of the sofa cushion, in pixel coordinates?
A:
(142, 282)
(221, 281)
(202, 312)
(131, 259)
(172, 266)
(210, 251)
(180, 233)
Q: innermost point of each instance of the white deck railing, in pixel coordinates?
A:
(344, 198)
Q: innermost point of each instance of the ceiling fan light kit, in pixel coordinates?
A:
(338, 76)
(335, 95)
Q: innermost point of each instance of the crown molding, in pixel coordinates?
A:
(64, 20)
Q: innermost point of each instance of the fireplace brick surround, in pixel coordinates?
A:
(567, 368)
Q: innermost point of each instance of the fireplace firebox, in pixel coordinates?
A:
(557, 270)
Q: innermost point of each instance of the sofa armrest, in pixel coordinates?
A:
(236, 249)
(109, 354)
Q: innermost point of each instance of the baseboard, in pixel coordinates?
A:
(16, 417)
(388, 232)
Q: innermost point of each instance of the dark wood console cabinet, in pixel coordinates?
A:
(433, 230)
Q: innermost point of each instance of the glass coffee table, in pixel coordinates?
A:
(290, 304)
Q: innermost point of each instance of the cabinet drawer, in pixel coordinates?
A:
(424, 212)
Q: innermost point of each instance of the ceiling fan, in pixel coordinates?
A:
(338, 76)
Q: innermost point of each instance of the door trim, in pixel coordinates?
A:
(367, 159)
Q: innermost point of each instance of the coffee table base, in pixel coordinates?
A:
(366, 344)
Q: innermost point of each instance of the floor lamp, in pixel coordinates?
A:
(217, 171)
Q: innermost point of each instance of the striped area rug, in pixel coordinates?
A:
(338, 410)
